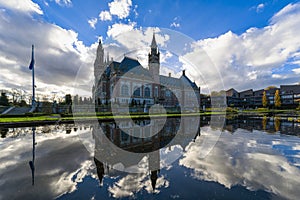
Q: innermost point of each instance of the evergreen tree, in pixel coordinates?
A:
(3, 99)
(68, 99)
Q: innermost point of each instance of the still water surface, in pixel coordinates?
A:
(253, 158)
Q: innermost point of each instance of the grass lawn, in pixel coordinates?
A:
(109, 116)
(4, 119)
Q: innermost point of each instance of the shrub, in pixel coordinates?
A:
(231, 110)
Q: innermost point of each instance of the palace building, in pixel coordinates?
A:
(128, 82)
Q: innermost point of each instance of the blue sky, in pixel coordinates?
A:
(197, 19)
(251, 43)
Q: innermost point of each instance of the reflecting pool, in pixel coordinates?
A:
(250, 158)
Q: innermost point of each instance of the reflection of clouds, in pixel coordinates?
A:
(61, 162)
(133, 183)
(169, 155)
(248, 159)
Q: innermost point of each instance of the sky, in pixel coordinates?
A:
(232, 44)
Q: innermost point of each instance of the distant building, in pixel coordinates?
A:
(289, 96)
(129, 82)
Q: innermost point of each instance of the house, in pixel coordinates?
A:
(129, 83)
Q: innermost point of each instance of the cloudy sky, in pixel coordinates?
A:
(250, 44)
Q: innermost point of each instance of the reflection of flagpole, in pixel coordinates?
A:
(31, 163)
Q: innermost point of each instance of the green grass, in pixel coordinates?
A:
(108, 116)
(37, 119)
(26, 119)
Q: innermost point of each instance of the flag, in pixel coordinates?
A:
(31, 65)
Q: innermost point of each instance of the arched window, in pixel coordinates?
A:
(111, 89)
(168, 93)
(156, 91)
(137, 91)
(147, 92)
(124, 90)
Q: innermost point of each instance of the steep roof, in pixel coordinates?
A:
(135, 69)
(165, 80)
(186, 81)
(153, 43)
(128, 64)
(183, 81)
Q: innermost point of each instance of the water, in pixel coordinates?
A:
(253, 158)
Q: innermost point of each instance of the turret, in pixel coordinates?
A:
(153, 60)
(99, 62)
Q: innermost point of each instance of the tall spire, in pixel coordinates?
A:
(153, 43)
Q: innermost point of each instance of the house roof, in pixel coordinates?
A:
(128, 64)
(136, 70)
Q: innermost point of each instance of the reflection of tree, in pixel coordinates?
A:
(277, 123)
(264, 122)
(3, 132)
(153, 179)
(100, 169)
(3, 99)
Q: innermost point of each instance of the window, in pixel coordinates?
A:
(168, 93)
(124, 90)
(104, 87)
(156, 91)
(287, 96)
(137, 91)
(124, 136)
(111, 89)
(296, 95)
(147, 92)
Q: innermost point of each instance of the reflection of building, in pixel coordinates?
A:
(108, 155)
(270, 125)
(127, 82)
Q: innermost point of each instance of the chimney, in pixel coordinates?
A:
(183, 72)
(169, 74)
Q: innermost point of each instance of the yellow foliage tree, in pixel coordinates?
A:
(277, 99)
(264, 99)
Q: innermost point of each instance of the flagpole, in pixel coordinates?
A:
(33, 81)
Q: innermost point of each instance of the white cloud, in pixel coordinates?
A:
(175, 25)
(22, 6)
(58, 55)
(131, 184)
(135, 42)
(260, 8)
(119, 28)
(120, 8)
(105, 16)
(53, 178)
(256, 50)
(280, 76)
(64, 2)
(276, 76)
(92, 22)
(296, 71)
(235, 162)
(286, 11)
(135, 11)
